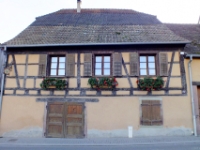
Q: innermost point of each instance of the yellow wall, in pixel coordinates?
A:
(110, 113)
(21, 112)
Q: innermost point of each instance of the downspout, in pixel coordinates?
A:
(192, 96)
(2, 86)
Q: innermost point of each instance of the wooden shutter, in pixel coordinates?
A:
(163, 62)
(70, 64)
(151, 113)
(117, 64)
(42, 65)
(87, 64)
(134, 66)
(156, 118)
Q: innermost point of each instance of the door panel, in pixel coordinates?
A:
(74, 120)
(197, 107)
(55, 119)
(65, 120)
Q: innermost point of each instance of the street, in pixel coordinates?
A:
(159, 146)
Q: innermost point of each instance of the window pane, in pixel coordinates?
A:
(61, 72)
(151, 65)
(54, 65)
(54, 59)
(98, 65)
(142, 58)
(98, 72)
(61, 59)
(143, 72)
(98, 59)
(106, 65)
(151, 58)
(152, 72)
(106, 58)
(61, 65)
(106, 71)
(143, 65)
(53, 72)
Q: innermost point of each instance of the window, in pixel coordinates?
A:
(151, 113)
(57, 64)
(147, 65)
(102, 65)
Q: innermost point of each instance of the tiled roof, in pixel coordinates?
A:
(190, 32)
(95, 26)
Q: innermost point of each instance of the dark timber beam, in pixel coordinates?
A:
(16, 72)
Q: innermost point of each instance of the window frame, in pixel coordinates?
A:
(49, 62)
(156, 56)
(94, 54)
(161, 110)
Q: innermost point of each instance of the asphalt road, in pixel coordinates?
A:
(176, 146)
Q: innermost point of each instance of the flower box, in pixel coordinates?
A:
(102, 83)
(150, 84)
(53, 83)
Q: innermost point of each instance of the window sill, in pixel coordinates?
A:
(161, 126)
(56, 76)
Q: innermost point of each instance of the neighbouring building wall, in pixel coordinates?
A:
(23, 115)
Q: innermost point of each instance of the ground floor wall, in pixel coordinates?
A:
(108, 117)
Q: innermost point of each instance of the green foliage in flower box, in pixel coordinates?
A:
(59, 84)
(109, 82)
(149, 84)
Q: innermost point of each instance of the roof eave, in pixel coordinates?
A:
(92, 44)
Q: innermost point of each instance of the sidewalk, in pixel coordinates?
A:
(96, 141)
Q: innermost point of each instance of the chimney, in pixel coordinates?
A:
(78, 6)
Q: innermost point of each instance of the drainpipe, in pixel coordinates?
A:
(2, 85)
(192, 96)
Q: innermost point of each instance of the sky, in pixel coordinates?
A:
(16, 15)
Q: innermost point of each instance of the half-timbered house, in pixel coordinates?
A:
(192, 60)
(113, 50)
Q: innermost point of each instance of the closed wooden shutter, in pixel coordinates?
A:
(134, 66)
(42, 65)
(151, 113)
(117, 64)
(87, 64)
(163, 62)
(70, 64)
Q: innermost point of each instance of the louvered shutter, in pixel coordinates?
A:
(87, 64)
(42, 65)
(70, 64)
(117, 64)
(163, 62)
(134, 66)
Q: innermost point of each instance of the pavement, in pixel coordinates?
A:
(96, 141)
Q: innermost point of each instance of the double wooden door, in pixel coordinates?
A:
(65, 120)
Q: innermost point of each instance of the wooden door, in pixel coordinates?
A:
(74, 120)
(55, 113)
(196, 91)
(65, 120)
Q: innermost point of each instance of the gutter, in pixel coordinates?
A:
(191, 90)
(93, 44)
(2, 85)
